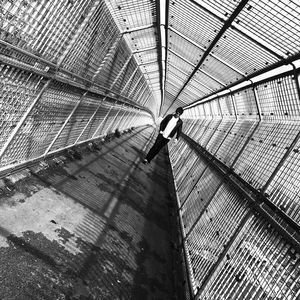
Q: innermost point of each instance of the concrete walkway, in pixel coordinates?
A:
(90, 226)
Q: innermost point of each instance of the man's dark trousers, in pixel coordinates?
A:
(159, 143)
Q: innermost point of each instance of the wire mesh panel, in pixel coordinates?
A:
(173, 151)
(245, 102)
(227, 106)
(220, 7)
(146, 56)
(114, 64)
(77, 123)
(41, 27)
(183, 167)
(42, 124)
(171, 91)
(198, 25)
(198, 88)
(18, 91)
(234, 141)
(218, 221)
(185, 97)
(232, 252)
(200, 127)
(208, 81)
(142, 39)
(279, 106)
(125, 118)
(224, 73)
(219, 135)
(96, 123)
(132, 83)
(264, 151)
(276, 23)
(93, 45)
(202, 194)
(284, 188)
(115, 120)
(189, 178)
(190, 126)
(142, 85)
(110, 118)
(209, 132)
(184, 48)
(174, 80)
(184, 68)
(169, 98)
(279, 99)
(231, 49)
(133, 13)
(259, 264)
(124, 76)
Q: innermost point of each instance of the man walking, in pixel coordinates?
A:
(169, 126)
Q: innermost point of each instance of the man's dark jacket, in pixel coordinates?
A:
(177, 129)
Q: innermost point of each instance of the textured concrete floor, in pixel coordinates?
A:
(95, 226)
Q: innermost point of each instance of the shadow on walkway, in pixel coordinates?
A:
(120, 244)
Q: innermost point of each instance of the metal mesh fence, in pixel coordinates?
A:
(235, 250)
(61, 65)
(259, 265)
